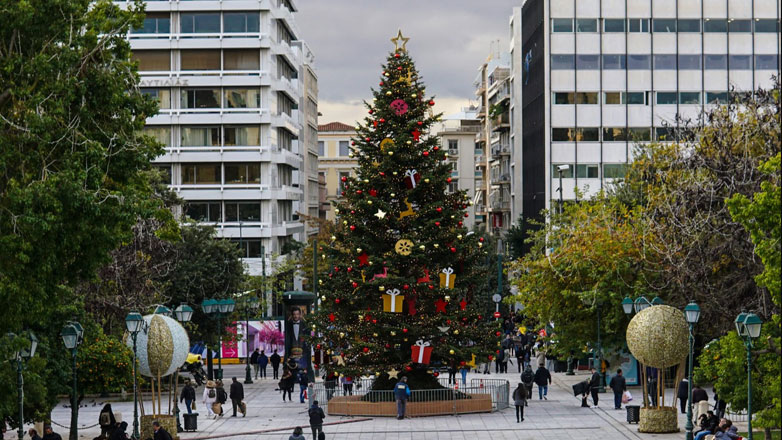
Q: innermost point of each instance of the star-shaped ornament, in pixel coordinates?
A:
(392, 373)
(462, 304)
(440, 305)
(380, 214)
(363, 259)
(444, 329)
(399, 37)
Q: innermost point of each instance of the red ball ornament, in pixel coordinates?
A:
(408, 368)
(318, 346)
(426, 154)
(382, 120)
(453, 249)
(431, 102)
(350, 269)
(436, 148)
(358, 191)
(481, 239)
(382, 174)
(388, 345)
(436, 373)
(336, 269)
(466, 214)
(462, 363)
(373, 192)
(439, 209)
(355, 284)
(367, 139)
(491, 358)
(497, 351)
(497, 333)
(420, 123)
(352, 211)
(374, 321)
(437, 223)
(353, 143)
(447, 180)
(366, 349)
(404, 330)
(336, 301)
(344, 179)
(448, 321)
(406, 286)
(370, 110)
(352, 227)
(396, 55)
(381, 83)
(399, 68)
(460, 223)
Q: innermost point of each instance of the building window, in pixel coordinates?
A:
(242, 59)
(162, 96)
(689, 97)
(612, 134)
(241, 22)
(634, 98)
(562, 62)
(586, 25)
(580, 134)
(613, 170)
(199, 22)
(200, 98)
(321, 148)
(242, 98)
(285, 210)
(612, 98)
(562, 24)
(689, 62)
(238, 173)
(689, 25)
(716, 62)
(283, 33)
(664, 133)
(204, 211)
(665, 62)
(201, 173)
(344, 149)
(155, 23)
(575, 98)
(453, 146)
(566, 174)
(638, 25)
(614, 62)
(664, 25)
(242, 136)
(766, 25)
(285, 105)
(639, 134)
(739, 25)
(248, 248)
(613, 25)
(285, 70)
(152, 60)
(588, 62)
(200, 59)
(453, 186)
(766, 62)
(716, 97)
(639, 62)
(715, 25)
(740, 62)
(242, 212)
(161, 134)
(664, 98)
(285, 174)
(587, 171)
(200, 136)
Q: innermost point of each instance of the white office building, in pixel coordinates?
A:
(232, 112)
(595, 76)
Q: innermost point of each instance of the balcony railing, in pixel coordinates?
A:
(500, 150)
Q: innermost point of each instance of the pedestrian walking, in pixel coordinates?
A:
(520, 400)
(254, 361)
(463, 371)
(330, 382)
(401, 393)
(303, 381)
(49, 434)
(651, 385)
(594, 385)
(542, 379)
(263, 361)
(297, 431)
(347, 385)
(119, 432)
(286, 383)
(237, 395)
(316, 419)
(222, 397)
(528, 378)
(699, 395)
(452, 373)
(33, 434)
(160, 432)
(519, 357)
(499, 361)
(275, 359)
(188, 396)
(618, 385)
(106, 421)
(210, 398)
(681, 394)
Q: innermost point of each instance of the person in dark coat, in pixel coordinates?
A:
(49, 434)
(316, 419)
(237, 395)
(618, 385)
(681, 394)
(719, 405)
(542, 379)
(222, 396)
(119, 432)
(594, 385)
(528, 378)
(263, 361)
(188, 396)
(106, 421)
(698, 395)
(286, 383)
(254, 361)
(275, 360)
(303, 381)
(520, 400)
(160, 432)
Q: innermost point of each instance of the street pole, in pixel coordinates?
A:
(599, 355)
(688, 427)
(20, 392)
(248, 378)
(561, 197)
(315, 271)
(74, 403)
(748, 344)
(136, 434)
(219, 347)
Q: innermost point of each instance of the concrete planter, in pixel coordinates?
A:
(166, 421)
(659, 420)
(354, 406)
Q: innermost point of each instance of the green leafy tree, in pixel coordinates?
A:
(105, 363)
(397, 231)
(72, 161)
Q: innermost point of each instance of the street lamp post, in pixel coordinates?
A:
(748, 326)
(183, 313)
(692, 313)
(217, 309)
(19, 357)
(135, 323)
(250, 306)
(561, 169)
(72, 336)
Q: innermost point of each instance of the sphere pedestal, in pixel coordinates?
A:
(659, 420)
(166, 421)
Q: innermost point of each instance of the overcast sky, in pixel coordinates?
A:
(449, 39)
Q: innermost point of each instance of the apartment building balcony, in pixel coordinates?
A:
(200, 40)
(236, 192)
(250, 230)
(204, 78)
(501, 122)
(500, 178)
(499, 94)
(251, 153)
(480, 209)
(206, 5)
(202, 116)
(500, 206)
(499, 150)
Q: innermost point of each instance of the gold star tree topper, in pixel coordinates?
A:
(399, 37)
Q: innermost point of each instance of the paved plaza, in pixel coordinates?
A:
(559, 417)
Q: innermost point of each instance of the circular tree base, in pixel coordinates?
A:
(356, 406)
(659, 420)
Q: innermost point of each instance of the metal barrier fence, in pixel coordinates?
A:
(427, 402)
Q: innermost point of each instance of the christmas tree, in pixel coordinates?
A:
(401, 295)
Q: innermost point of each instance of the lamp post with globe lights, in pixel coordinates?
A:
(748, 326)
(691, 313)
(218, 309)
(19, 356)
(134, 323)
(72, 336)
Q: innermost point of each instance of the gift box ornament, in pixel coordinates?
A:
(421, 352)
(411, 178)
(447, 278)
(392, 301)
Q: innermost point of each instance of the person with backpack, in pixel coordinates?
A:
(263, 361)
(210, 398)
(188, 396)
(275, 360)
(401, 393)
(316, 420)
(542, 379)
(528, 378)
(520, 400)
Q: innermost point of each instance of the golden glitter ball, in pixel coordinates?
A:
(369, 202)
(374, 334)
(344, 222)
(388, 93)
(393, 333)
(426, 180)
(358, 250)
(390, 153)
(341, 335)
(456, 332)
(382, 288)
(480, 244)
(394, 173)
(451, 351)
(436, 245)
(323, 298)
(393, 194)
(658, 336)
(366, 180)
(459, 236)
(447, 297)
(414, 95)
(422, 247)
(333, 238)
(409, 142)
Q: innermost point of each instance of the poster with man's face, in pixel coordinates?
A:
(295, 328)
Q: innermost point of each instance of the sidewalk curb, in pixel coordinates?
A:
(263, 431)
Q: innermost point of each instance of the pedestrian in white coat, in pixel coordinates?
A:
(210, 397)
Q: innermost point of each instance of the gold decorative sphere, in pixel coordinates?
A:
(657, 336)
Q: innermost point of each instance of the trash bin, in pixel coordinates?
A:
(633, 413)
(191, 421)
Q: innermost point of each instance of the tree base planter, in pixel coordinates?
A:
(659, 420)
(166, 421)
(355, 406)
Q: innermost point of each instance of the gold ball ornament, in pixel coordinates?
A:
(409, 142)
(414, 95)
(451, 351)
(436, 245)
(446, 155)
(658, 336)
(456, 332)
(388, 93)
(393, 194)
(323, 298)
(422, 247)
(459, 236)
(394, 173)
(426, 180)
(447, 297)
(374, 334)
(393, 333)
(369, 202)
(341, 334)
(390, 153)
(382, 288)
